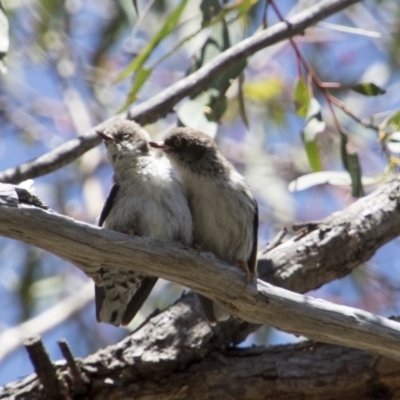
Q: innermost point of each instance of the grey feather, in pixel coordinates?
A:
(147, 199)
(224, 211)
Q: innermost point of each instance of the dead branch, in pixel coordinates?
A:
(92, 248)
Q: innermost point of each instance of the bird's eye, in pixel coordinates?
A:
(125, 136)
(177, 142)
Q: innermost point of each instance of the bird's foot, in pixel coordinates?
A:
(199, 247)
(129, 232)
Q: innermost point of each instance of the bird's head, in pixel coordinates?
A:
(189, 148)
(125, 140)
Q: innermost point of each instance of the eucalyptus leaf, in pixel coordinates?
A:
(167, 27)
(193, 114)
(394, 120)
(209, 9)
(139, 80)
(301, 97)
(50, 19)
(313, 155)
(211, 103)
(368, 89)
(352, 165)
(263, 90)
(334, 178)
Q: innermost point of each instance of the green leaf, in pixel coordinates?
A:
(139, 80)
(334, 178)
(263, 90)
(313, 155)
(209, 9)
(50, 18)
(212, 10)
(169, 24)
(368, 89)
(352, 164)
(241, 103)
(244, 6)
(240, 8)
(211, 103)
(301, 97)
(217, 43)
(193, 113)
(394, 120)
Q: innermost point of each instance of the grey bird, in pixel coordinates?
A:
(224, 211)
(146, 199)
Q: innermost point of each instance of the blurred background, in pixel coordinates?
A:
(69, 67)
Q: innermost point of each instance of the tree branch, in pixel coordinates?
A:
(175, 355)
(160, 105)
(336, 245)
(91, 248)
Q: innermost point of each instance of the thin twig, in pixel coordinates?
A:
(276, 241)
(323, 86)
(160, 105)
(353, 238)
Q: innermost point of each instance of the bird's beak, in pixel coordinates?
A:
(159, 145)
(106, 137)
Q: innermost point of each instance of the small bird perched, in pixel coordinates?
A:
(146, 199)
(224, 211)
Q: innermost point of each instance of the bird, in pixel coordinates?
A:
(146, 199)
(224, 210)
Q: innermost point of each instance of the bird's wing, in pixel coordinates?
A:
(252, 261)
(99, 292)
(108, 205)
(116, 309)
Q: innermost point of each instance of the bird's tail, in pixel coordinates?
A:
(118, 301)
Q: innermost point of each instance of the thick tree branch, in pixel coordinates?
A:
(160, 105)
(177, 350)
(336, 245)
(175, 355)
(91, 248)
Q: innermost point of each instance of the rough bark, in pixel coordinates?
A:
(332, 248)
(177, 355)
(92, 248)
